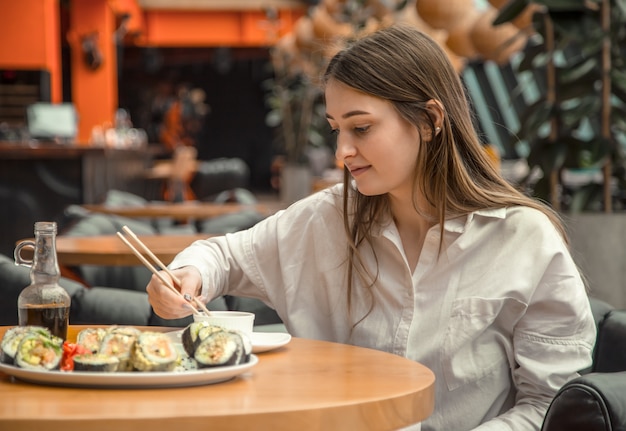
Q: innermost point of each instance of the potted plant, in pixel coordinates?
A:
(579, 122)
(298, 117)
(579, 125)
(294, 98)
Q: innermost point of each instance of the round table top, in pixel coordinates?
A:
(305, 385)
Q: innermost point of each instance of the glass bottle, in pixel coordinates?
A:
(44, 302)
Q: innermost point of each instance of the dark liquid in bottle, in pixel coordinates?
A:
(56, 319)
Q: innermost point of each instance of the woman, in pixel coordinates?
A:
(424, 251)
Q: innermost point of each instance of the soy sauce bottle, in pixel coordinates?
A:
(44, 302)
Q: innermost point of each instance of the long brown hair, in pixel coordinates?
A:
(453, 172)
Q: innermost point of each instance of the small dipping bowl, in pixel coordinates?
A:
(238, 320)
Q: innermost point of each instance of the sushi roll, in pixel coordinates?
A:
(247, 346)
(220, 348)
(120, 345)
(96, 362)
(194, 333)
(185, 363)
(38, 352)
(154, 351)
(125, 330)
(12, 338)
(91, 338)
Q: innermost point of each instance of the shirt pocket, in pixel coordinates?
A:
(478, 340)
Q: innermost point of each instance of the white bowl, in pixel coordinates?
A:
(238, 320)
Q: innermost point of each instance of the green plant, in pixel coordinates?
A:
(297, 113)
(295, 101)
(579, 122)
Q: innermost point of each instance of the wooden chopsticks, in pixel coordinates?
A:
(193, 301)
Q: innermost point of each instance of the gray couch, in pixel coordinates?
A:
(90, 305)
(103, 305)
(116, 294)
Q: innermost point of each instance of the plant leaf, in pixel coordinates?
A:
(586, 154)
(535, 116)
(576, 89)
(587, 108)
(541, 189)
(563, 5)
(273, 118)
(510, 11)
(534, 56)
(585, 70)
(585, 196)
(548, 155)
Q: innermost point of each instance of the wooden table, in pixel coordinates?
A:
(177, 211)
(306, 385)
(111, 251)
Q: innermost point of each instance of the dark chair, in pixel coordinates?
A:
(596, 401)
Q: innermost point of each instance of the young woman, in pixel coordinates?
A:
(424, 251)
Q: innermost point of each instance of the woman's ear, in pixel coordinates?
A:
(436, 112)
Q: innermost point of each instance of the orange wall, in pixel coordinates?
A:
(212, 28)
(94, 92)
(29, 39)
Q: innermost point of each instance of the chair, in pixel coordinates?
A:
(596, 401)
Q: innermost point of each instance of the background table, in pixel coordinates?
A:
(110, 250)
(306, 385)
(178, 211)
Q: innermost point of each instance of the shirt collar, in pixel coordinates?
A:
(457, 224)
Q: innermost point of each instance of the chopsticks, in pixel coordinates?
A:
(161, 265)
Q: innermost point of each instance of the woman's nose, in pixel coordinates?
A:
(344, 149)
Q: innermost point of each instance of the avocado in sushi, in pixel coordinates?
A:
(39, 352)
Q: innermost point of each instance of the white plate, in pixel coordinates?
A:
(261, 341)
(130, 379)
(266, 341)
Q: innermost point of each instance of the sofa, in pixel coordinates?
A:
(90, 305)
(105, 305)
(116, 294)
(596, 401)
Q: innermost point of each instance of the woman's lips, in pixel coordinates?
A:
(358, 171)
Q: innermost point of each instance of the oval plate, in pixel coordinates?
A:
(130, 379)
(261, 341)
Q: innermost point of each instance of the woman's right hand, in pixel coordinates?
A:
(168, 304)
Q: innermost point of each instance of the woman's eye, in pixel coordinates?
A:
(362, 130)
(334, 132)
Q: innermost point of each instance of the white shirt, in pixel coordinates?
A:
(501, 316)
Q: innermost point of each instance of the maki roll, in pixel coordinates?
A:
(221, 348)
(194, 333)
(39, 352)
(210, 345)
(125, 330)
(119, 344)
(247, 346)
(154, 351)
(96, 362)
(91, 338)
(12, 339)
